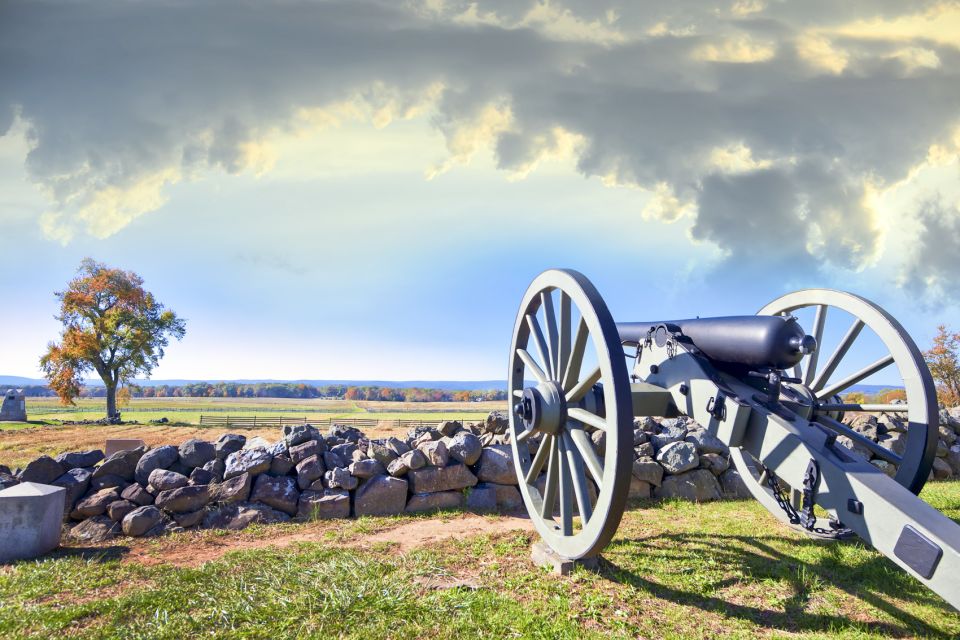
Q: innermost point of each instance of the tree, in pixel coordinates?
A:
(943, 358)
(111, 325)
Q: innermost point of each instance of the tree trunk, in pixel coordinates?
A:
(111, 398)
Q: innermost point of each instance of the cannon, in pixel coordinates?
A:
(758, 383)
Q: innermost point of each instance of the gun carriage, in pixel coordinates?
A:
(758, 383)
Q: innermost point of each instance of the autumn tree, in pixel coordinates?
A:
(943, 358)
(111, 325)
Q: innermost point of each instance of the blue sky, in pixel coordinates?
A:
(362, 190)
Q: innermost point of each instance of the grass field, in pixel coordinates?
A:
(675, 570)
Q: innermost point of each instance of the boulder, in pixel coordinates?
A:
(108, 481)
(345, 450)
(667, 436)
(324, 505)
(137, 494)
(714, 463)
(886, 467)
(465, 447)
(7, 479)
(733, 485)
(43, 470)
(163, 480)
(638, 488)
(397, 445)
(408, 461)
(95, 529)
(94, 504)
(331, 460)
(158, 458)
(953, 459)
(947, 434)
(381, 496)
(196, 453)
(184, 499)
(253, 461)
(236, 489)
(279, 493)
(854, 447)
(645, 450)
(497, 422)
(864, 423)
(309, 470)
(366, 468)
(482, 498)
(239, 515)
(229, 443)
(217, 468)
(646, 470)
(496, 465)
(119, 509)
(297, 434)
(420, 502)
(449, 427)
(599, 439)
(706, 442)
(941, 469)
(344, 432)
(76, 482)
(304, 450)
(201, 476)
(435, 452)
(433, 479)
(699, 486)
(640, 437)
(506, 496)
(379, 451)
(189, 519)
(677, 457)
(281, 465)
(339, 478)
(80, 459)
(143, 521)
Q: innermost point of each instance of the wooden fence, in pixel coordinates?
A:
(253, 422)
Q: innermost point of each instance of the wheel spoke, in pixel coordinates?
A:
(585, 445)
(869, 408)
(563, 343)
(533, 366)
(819, 320)
(876, 449)
(546, 301)
(838, 355)
(537, 334)
(575, 394)
(849, 381)
(566, 492)
(523, 435)
(580, 488)
(539, 459)
(553, 479)
(572, 370)
(586, 417)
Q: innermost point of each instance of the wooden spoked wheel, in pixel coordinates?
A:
(568, 379)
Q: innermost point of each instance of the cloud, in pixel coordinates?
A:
(761, 126)
(934, 259)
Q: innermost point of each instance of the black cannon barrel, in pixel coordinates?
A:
(755, 341)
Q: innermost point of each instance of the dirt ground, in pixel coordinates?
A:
(17, 447)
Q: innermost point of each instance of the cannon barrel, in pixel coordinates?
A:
(755, 341)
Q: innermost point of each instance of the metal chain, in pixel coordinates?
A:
(806, 519)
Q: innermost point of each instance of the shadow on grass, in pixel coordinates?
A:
(875, 580)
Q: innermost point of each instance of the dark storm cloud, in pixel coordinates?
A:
(121, 98)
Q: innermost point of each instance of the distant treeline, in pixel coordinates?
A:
(287, 390)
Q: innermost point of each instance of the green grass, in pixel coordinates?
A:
(675, 570)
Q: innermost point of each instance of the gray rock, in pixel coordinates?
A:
(332, 460)
(599, 439)
(189, 519)
(947, 434)
(279, 493)
(408, 461)
(94, 504)
(864, 423)
(163, 480)
(366, 468)
(854, 447)
(118, 509)
(379, 451)
(236, 489)
(217, 468)
(638, 488)
(953, 459)
(449, 427)
(76, 482)
(7, 480)
(706, 442)
(482, 498)
(80, 459)
(433, 479)
(202, 476)
(714, 463)
(297, 434)
(196, 453)
(497, 422)
(183, 499)
(304, 450)
(239, 515)
(159, 458)
(678, 457)
(381, 496)
(646, 470)
(889, 469)
(640, 437)
(699, 486)
(496, 465)
(108, 481)
(645, 450)
(137, 494)
(43, 470)
(281, 465)
(420, 502)
(339, 478)
(465, 447)
(436, 452)
(506, 496)
(941, 469)
(397, 445)
(327, 504)
(308, 470)
(95, 529)
(668, 435)
(253, 461)
(229, 443)
(733, 485)
(142, 521)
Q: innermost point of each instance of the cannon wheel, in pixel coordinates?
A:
(579, 403)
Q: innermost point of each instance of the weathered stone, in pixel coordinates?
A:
(253, 461)
(345, 450)
(410, 460)
(279, 493)
(496, 465)
(236, 489)
(95, 529)
(142, 520)
(733, 485)
(345, 432)
(638, 488)
(941, 469)
(714, 463)
(433, 501)
(229, 443)
(332, 460)
(304, 450)
(259, 442)
(339, 478)
(465, 447)
(42, 470)
(953, 459)
(201, 476)
(159, 458)
(137, 494)
(947, 434)
(449, 427)
(118, 509)
(190, 518)
(163, 480)
(196, 453)
(433, 479)
(217, 468)
(599, 439)
(31, 515)
(309, 470)
(854, 447)
(379, 451)
(297, 434)
(281, 465)
(699, 486)
(640, 437)
(677, 457)
(183, 499)
(648, 471)
(706, 442)
(366, 468)
(435, 452)
(324, 505)
(397, 445)
(667, 436)
(239, 515)
(94, 504)
(886, 467)
(482, 498)
(7, 479)
(108, 481)
(864, 423)
(507, 496)
(645, 450)
(941, 449)
(75, 482)
(80, 459)
(381, 496)
(497, 422)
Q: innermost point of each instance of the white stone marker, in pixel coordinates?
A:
(114, 445)
(30, 517)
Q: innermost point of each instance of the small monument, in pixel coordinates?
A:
(14, 407)
(30, 517)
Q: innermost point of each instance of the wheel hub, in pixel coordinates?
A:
(543, 409)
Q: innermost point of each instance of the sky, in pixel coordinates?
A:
(364, 190)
